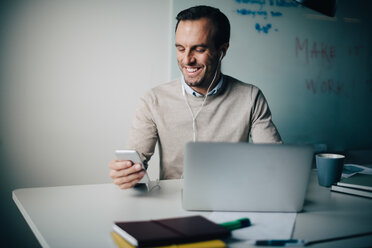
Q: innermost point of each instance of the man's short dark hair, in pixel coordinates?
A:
(219, 20)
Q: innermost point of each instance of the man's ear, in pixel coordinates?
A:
(223, 49)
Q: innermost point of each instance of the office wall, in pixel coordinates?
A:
(315, 71)
(71, 75)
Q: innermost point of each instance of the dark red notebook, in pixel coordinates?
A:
(170, 231)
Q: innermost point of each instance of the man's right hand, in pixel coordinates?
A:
(126, 174)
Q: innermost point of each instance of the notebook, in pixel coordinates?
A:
(171, 231)
(246, 176)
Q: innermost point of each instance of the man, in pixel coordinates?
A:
(204, 105)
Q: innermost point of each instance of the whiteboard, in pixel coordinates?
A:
(314, 70)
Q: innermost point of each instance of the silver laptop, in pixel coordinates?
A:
(246, 177)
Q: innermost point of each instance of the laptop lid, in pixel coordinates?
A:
(245, 176)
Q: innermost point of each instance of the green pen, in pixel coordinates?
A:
(236, 224)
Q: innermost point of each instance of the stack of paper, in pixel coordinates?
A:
(359, 184)
(122, 243)
(264, 225)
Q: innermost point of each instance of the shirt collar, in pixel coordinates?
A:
(190, 91)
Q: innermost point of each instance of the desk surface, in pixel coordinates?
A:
(82, 216)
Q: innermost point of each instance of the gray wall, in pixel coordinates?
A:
(71, 75)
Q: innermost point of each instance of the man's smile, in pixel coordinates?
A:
(192, 71)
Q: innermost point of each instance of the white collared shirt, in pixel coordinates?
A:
(190, 91)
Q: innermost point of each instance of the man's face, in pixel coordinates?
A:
(196, 54)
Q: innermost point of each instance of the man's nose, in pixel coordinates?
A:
(189, 58)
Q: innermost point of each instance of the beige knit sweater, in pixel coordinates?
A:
(237, 111)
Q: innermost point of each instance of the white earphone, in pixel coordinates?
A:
(222, 53)
(205, 99)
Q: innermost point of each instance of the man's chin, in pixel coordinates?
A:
(192, 83)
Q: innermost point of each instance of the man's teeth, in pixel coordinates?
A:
(191, 69)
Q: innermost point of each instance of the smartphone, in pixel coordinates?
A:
(133, 156)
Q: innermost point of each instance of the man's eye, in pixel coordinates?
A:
(180, 49)
(200, 50)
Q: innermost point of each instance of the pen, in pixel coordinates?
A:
(280, 242)
(236, 224)
(299, 242)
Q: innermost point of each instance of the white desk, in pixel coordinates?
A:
(82, 216)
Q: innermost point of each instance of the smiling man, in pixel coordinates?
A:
(203, 105)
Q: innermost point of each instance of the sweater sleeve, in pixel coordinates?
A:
(143, 133)
(263, 129)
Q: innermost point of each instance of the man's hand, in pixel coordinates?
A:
(126, 174)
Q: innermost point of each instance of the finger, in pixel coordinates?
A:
(125, 172)
(119, 165)
(129, 185)
(132, 179)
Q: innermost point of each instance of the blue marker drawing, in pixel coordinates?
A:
(284, 3)
(252, 13)
(279, 3)
(275, 13)
(259, 2)
(263, 28)
(265, 12)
